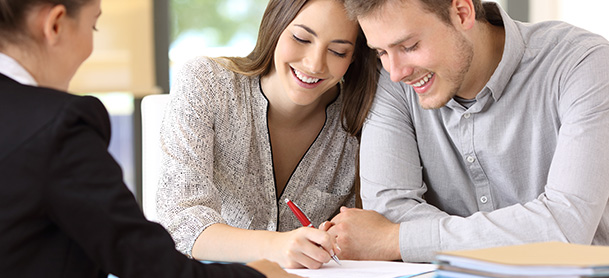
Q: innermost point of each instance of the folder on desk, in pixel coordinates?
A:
(547, 259)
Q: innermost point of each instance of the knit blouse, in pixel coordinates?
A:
(217, 161)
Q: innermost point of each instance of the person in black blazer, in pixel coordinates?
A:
(64, 209)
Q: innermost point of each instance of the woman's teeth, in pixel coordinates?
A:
(304, 78)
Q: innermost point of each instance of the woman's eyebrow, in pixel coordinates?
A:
(306, 28)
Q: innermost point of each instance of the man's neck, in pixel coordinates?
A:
(488, 43)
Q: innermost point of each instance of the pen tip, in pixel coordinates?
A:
(287, 200)
(335, 258)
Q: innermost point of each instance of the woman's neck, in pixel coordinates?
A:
(36, 64)
(284, 113)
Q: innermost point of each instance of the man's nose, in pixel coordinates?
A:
(397, 66)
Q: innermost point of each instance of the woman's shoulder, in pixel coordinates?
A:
(203, 66)
(211, 74)
(39, 108)
(200, 63)
(46, 103)
(204, 83)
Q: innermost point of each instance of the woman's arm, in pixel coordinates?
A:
(294, 249)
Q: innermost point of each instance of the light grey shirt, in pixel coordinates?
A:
(218, 165)
(527, 162)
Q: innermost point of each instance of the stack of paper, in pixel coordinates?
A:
(548, 259)
(365, 269)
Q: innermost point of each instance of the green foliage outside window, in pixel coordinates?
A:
(220, 22)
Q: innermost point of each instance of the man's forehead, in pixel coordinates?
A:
(391, 25)
(390, 9)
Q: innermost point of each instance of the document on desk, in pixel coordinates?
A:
(365, 269)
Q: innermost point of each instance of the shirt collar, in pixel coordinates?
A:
(513, 51)
(11, 68)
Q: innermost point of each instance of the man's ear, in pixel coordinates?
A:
(464, 12)
(54, 24)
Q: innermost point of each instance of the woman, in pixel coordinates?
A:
(243, 134)
(64, 210)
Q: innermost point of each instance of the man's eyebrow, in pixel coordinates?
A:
(315, 34)
(395, 43)
(402, 40)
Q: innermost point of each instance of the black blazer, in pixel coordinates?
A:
(64, 209)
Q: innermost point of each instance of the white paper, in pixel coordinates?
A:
(355, 269)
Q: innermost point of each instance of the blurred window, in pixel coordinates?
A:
(213, 28)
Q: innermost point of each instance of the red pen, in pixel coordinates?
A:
(304, 220)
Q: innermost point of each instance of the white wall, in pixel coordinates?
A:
(123, 55)
(592, 15)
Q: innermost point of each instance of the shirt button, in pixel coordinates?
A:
(466, 115)
(470, 159)
(483, 199)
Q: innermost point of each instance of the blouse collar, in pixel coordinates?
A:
(11, 68)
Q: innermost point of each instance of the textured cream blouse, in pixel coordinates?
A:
(218, 166)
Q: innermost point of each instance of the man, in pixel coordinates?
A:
(484, 132)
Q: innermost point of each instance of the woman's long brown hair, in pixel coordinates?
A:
(360, 79)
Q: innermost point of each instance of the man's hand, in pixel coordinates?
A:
(364, 235)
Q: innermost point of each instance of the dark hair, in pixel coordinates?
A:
(360, 86)
(14, 12)
(359, 8)
(359, 80)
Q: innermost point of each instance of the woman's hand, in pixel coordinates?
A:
(304, 247)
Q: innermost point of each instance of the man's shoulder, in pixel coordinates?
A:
(560, 36)
(386, 87)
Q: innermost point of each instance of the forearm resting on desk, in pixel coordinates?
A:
(295, 249)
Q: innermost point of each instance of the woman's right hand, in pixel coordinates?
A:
(304, 247)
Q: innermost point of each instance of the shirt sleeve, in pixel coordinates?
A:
(187, 199)
(576, 191)
(87, 199)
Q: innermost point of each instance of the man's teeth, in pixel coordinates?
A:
(423, 81)
(305, 79)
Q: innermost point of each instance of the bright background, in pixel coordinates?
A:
(140, 41)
